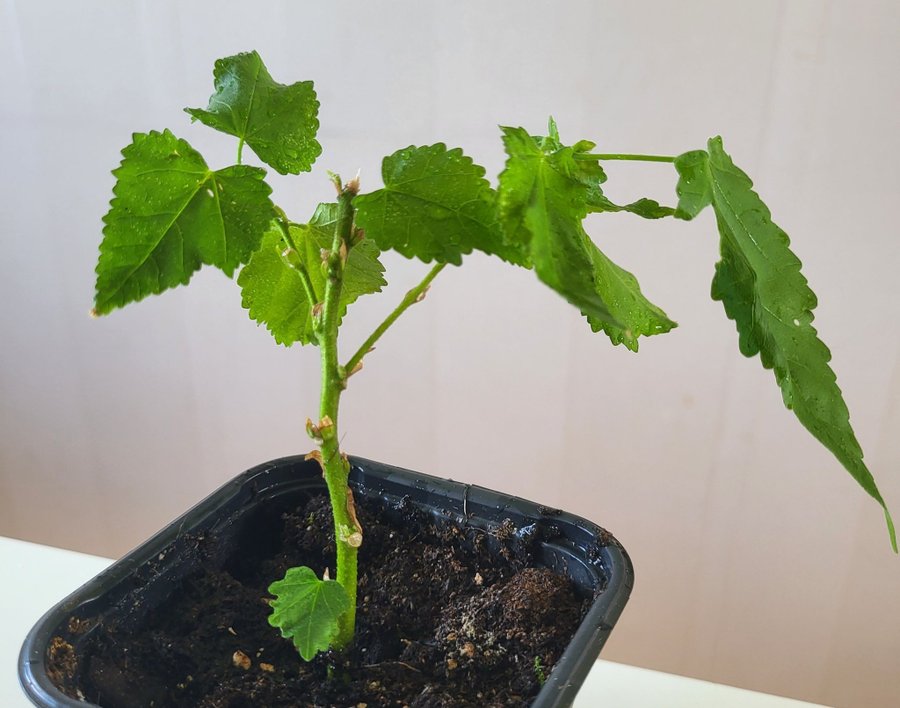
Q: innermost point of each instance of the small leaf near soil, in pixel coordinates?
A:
(307, 610)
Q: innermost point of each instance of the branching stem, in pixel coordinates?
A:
(411, 298)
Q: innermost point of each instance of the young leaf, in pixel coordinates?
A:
(363, 272)
(759, 282)
(279, 122)
(170, 215)
(272, 288)
(694, 189)
(272, 291)
(307, 610)
(435, 205)
(545, 193)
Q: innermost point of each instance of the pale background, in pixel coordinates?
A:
(759, 562)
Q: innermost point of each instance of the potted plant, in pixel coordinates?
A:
(517, 581)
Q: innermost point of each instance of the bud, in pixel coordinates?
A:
(353, 185)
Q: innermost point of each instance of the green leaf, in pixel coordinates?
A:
(307, 610)
(646, 208)
(272, 291)
(759, 282)
(620, 291)
(272, 286)
(543, 198)
(435, 206)
(279, 122)
(171, 214)
(363, 272)
(693, 189)
(545, 192)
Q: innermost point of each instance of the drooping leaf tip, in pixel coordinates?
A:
(891, 530)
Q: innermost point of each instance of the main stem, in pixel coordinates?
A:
(336, 469)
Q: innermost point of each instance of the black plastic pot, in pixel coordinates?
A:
(587, 554)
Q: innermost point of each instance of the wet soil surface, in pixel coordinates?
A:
(447, 617)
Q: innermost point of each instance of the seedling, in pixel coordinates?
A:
(539, 671)
(172, 214)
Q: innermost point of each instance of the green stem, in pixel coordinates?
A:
(335, 467)
(240, 149)
(624, 156)
(284, 225)
(411, 298)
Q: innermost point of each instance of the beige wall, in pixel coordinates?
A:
(759, 563)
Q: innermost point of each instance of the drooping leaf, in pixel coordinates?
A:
(278, 122)
(622, 295)
(272, 288)
(307, 610)
(435, 206)
(170, 214)
(694, 189)
(759, 282)
(545, 192)
(543, 199)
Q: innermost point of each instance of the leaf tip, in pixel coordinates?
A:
(891, 531)
(552, 129)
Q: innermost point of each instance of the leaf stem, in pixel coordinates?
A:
(624, 156)
(336, 469)
(240, 149)
(411, 298)
(284, 224)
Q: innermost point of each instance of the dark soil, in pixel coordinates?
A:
(447, 617)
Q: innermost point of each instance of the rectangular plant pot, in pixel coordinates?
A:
(146, 577)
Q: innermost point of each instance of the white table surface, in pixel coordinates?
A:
(39, 576)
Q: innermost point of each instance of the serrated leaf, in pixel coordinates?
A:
(760, 284)
(363, 272)
(543, 198)
(307, 609)
(545, 192)
(693, 189)
(170, 215)
(622, 295)
(435, 206)
(272, 292)
(271, 286)
(278, 122)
